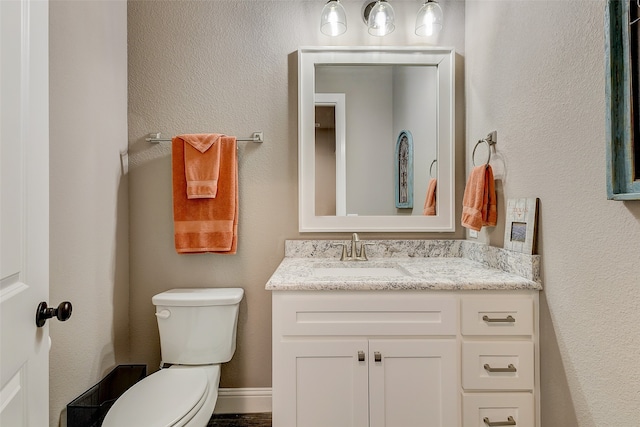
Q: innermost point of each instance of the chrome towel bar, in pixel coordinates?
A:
(156, 138)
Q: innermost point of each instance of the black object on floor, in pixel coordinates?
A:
(241, 420)
(90, 408)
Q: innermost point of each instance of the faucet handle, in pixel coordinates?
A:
(363, 251)
(344, 255)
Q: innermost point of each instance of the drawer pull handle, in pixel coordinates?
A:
(509, 368)
(377, 356)
(510, 422)
(508, 319)
(361, 356)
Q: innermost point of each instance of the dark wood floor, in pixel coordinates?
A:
(241, 420)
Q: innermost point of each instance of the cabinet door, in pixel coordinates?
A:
(413, 383)
(326, 384)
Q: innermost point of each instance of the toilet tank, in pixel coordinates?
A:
(197, 326)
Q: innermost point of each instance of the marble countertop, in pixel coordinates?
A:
(417, 273)
(315, 266)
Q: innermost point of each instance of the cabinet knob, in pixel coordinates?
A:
(361, 356)
(510, 422)
(377, 356)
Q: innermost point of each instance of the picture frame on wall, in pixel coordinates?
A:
(521, 227)
(622, 88)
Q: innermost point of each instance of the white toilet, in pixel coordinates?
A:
(197, 334)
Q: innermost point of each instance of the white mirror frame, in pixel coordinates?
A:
(444, 59)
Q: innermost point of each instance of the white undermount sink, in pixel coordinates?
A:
(357, 269)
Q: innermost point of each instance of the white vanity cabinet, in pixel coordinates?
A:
(404, 358)
(380, 359)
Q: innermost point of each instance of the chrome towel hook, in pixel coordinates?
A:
(490, 140)
(435, 161)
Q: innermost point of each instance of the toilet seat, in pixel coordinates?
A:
(167, 398)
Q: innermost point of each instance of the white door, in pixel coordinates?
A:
(326, 384)
(413, 383)
(24, 212)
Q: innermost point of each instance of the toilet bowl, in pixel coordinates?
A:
(197, 333)
(178, 396)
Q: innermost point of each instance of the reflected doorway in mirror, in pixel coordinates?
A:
(330, 154)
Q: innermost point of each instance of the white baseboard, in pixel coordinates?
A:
(243, 400)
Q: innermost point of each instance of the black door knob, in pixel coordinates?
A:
(62, 312)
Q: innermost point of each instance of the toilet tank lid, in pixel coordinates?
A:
(195, 297)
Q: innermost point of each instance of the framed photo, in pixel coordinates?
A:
(521, 228)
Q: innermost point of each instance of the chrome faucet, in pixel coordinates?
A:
(355, 254)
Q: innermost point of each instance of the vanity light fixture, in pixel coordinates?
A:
(333, 20)
(429, 19)
(379, 18)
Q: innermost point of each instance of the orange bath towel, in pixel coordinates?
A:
(430, 200)
(479, 202)
(201, 164)
(206, 224)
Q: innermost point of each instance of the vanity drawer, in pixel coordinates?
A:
(498, 409)
(497, 315)
(498, 365)
(359, 313)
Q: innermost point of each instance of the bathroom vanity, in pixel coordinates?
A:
(425, 333)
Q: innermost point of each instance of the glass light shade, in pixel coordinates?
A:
(380, 21)
(429, 20)
(333, 20)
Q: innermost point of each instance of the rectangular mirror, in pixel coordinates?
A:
(376, 135)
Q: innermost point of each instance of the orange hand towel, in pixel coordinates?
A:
(201, 164)
(479, 202)
(206, 225)
(430, 200)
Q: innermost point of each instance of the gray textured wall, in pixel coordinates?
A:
(536, 73)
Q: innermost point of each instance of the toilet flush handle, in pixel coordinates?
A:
(163, 314)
